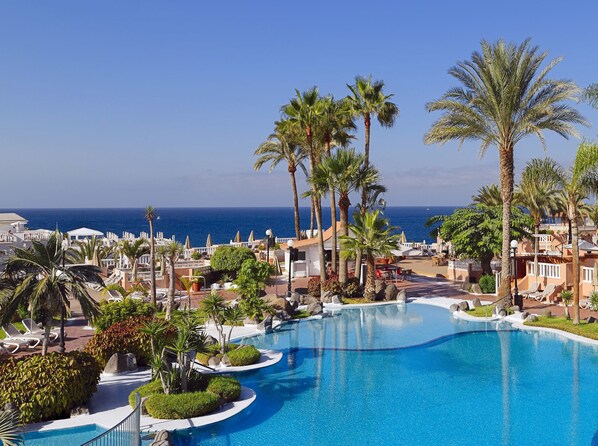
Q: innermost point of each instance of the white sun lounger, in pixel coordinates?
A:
(13, 334)
(13, 346)
(533, 289)
(541, 295)
(34, 329)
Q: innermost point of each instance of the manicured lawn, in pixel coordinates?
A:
(357, 300)
(560, 323)
(483, 311)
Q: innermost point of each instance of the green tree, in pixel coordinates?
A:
(488, 195)
(214, 308)
(475, 231)
(344, 172)
(9, 434)
(150, 216)
(504, 96)
(229, 259)
(35, 277)
(90, 250)
(172, 252)
(590, 95)
(132, 250)
(253, 277)
(281, 147)
(373, 236)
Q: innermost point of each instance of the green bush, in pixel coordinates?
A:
(313, 287)
(245, 355)
(229, 389)
(113, 312)
(121, 337)
(229, 259)
(183, 405)
(333, 286)
(48, 387)
(488, 284)
(148, 389)
(352, 288)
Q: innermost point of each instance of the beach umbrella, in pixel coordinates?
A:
(402, 238)
(209, 241)
(238, 237)
(251, 237)
(187, 243)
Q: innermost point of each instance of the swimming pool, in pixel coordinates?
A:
(414, 375)
(60, 437)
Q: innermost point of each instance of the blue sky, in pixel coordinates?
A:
(123, 104)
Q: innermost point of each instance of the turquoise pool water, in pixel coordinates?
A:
(413, 375)
(62, 437)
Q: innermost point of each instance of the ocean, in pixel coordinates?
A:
(221, 223)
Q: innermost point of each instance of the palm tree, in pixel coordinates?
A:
(367, 99)
(214, 308)
(172, 252)
(43, 278)
(132, 250)
(580, 180)
(488, 195)
(343, 172)
(590, 95)
(150, 216)
(304, 112)
(91, 249)
(373, 236)
(9, 428)
(504, 97)
(278, 148)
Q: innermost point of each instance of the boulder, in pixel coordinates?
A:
(336, 300)
(79, 410)
(162, 438)
(476, 303)
(304, 299)
(282, 315)
(295, 297)
(531, 318)
(499, 310)
(515, 309)
(380, 287)
(546, 313)
(266, 325)
(391, 292)
(214, 361)
(312, 300)
(211, 340)
(326, 297)
(464, 305)
(314, 308)
(402, 296)
(465, 286)
(225, 360)
(120, 363)
(454, 308)
(592, 320)
(279, 303)
(524, 314)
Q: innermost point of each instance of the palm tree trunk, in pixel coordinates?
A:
(322, 252)
(343, 204)
(575, 248)
(370, 281)
(170, 303)
(334, 236)
(46, 341)
(312, 211)
(366, 163)
(295, 205)
(152, 264)
(506, 193)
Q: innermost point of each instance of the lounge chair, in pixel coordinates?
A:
(533, 289)
(13, 334)
(12, 346)
(32, 328)
(541, 295)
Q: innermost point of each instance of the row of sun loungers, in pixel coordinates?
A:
(14, 340)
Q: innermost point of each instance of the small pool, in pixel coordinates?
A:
(74, 436)
(413, 374)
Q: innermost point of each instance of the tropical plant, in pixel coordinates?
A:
(590, 95)
(567, 297)
(214, 307)
(113, 312)
(132, 250)
(504, 96)
(9, 435)
(252, 277)
(373, 236)
(150, 216)
(256, 308)
(89, 250)
(367, 99)
(42, 278)
(281, 147)
(344, 172)
(475, 231)
(187, 283)
(229, 259)
(172, 252)
(594, 300)
(488, 195)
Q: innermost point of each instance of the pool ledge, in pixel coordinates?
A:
(267, 358)
(565, 334)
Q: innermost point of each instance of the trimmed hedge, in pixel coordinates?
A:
(488, 284)
(229, 389)
(182, 405)
(148, 389)
(48, 387)
(229, 259)
(113, 312)
(122, 337)
(245, 355)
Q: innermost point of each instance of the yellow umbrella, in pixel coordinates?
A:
(251, 236)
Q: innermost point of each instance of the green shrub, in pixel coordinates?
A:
(488, 284)
(48, 387)
(333, 286)
(121, 337)
(229, 389)
(229, 259)
(313, 287)
(352, 288)
(245, 355)
(113, 312)
(148, 389)
(183, 405)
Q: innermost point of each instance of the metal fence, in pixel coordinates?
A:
(125, 433)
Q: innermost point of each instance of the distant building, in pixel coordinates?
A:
(15, 234)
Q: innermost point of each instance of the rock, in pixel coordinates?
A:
(391, 292)
(464, 305)
(515, 309)
(160, 443)
(79, 410)
(524, 314)
(120, 363)
(314, 308)
(279, 303)
(225, 360)
(336, 300)
(214, 361)
(475, 288)
(312, 300)
(466, 286)
(326, 297)
(304, 299)
(476, 303)
(282, 315)
(162, 438)
(592, 320)
(546, 313)
(380, 288)
(454, 308)
(499, 310)
(531, 318)
(211, 340)
(266, 325)
(295, 297)
(402, 296)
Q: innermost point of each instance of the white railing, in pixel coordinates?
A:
(5, 237)
(458, 264)
(546, 270)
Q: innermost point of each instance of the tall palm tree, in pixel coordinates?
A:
(367, 99)
(590, 95)
(488, 195)
(343, 172)
(36, 277)
(505, 96)
(132, 250)
(333, 130)
(304, 112)
(580, 180)
(91, 249)
(150, 216)
(172, 253)
(373, 236)
(281, 147)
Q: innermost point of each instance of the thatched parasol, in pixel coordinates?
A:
(251, 237)
(238, 237)
(187, 243)
(209, 241)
